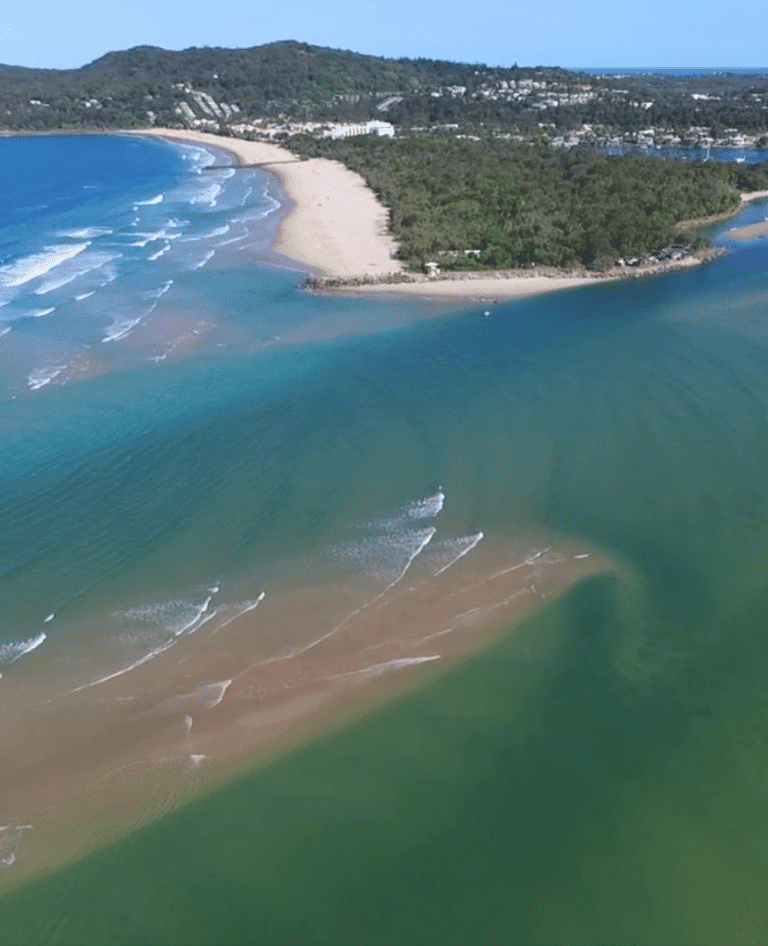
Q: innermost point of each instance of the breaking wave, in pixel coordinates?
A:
(9, 653)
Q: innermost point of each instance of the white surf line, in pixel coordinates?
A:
(251, 605)
(530, 560)
(153, 653)
(204, 620)
(198, 618)
(147, 203)
(9, 859)
(481, 609)
(475, 541)
(118, 673)
(221, 685)
(429, 533)
(15, 650)
(429, 637)
(428, 508)
(376, 670)
(188, 726)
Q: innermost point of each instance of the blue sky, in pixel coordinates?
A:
(61, 34)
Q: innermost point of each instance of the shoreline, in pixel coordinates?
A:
(336, 228)
(499, 285)
(752, 231)
(747, 197)
(337, 232)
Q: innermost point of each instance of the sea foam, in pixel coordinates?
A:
(160, 252)
(11, 652)
(385, 558)
(31, 267)
(427, 508)
(148, 203)
(10, 835)
(87, 233)
(208, 256)
(177, 617)
(449, 551)
(42, 376)
(376, 670)
(74, 271)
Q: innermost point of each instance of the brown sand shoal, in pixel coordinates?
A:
(753, 231)
(94, 764)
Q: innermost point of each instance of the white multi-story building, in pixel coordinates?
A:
(377, 128)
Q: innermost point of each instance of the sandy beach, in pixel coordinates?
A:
(336, 228)
(753, 195)
(481, 288)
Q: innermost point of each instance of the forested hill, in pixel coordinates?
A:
(146, 85)
(234, 91)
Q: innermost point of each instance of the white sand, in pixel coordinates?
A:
(490, 287)
(754, 231)
(753, 195)
(336, 228)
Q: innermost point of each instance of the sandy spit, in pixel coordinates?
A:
(749, 196)
(491, 288)
(338, 229)
(752, 232)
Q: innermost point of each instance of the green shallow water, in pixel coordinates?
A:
(542, 792)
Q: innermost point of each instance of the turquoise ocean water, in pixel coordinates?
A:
(183, 429)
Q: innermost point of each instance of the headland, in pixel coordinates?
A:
(338, 230)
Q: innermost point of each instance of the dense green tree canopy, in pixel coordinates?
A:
(519, 203)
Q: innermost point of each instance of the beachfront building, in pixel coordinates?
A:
(377, 128)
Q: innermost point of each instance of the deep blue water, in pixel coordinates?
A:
(675, 70)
